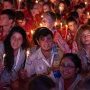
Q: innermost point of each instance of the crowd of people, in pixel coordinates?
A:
(44, 45)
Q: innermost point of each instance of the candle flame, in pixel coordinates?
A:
(32, 32)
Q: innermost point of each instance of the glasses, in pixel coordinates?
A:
(67, 66)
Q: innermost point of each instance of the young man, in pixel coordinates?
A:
(46, 57)
(48, 21)
(7, 21)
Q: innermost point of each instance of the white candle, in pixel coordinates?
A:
(27, 53)
(66, 26)
(3, 57)
(32, 32)
(41, 25)
(19, 4)
(56, 23)
(36, 1)
(61, 25)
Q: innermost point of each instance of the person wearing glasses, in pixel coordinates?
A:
(70, 67)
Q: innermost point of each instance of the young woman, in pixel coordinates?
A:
(15, 46)
(83, 42)
(70, 68)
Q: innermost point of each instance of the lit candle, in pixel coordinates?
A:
(36, 1)
(66, 26)
(19, 4)
(41, 16)
(4, 57)
(32, 32)
(88, 13)
(56, 23)
(61, 25)
(27, 53)
(86, 3)
(41, 25)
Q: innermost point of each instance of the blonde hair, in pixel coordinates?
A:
(79, 33)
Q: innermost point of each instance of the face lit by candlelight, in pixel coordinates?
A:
(7, 5)
(72, 26)
(47, 21)
(85, 37)
(46, 42)
(16, 40)
(61, 6)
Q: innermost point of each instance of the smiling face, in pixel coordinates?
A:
(85, 37)
(16, 40)
(7, 5)
(46, 42)
(67, 68)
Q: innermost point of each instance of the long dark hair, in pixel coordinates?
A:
(9, 58)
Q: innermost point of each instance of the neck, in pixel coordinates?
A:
(68, 82)
(46, 53)
(16, 52)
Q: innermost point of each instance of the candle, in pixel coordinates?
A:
(41, 16)
(56, 23)
(88, 15)
(32, 32)
(19, 4)
(66, 26)
(36, 1)
(61, 25)
(4, 57)
(27, 53)
(86, 3)
(41, 25)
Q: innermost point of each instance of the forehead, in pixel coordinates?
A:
(86, 31)
(71, 23)
(67, 60)
(17, 34)
(47, 36)
(7, 3)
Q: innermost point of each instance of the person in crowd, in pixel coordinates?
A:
(41, 82)
(83, 42)
(40, 61)
(70, 67)
(8, 4)
(48, 21)
(72, 30)
(7, 21)
(46, 7)
(15, 46)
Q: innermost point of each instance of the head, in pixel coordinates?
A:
(16, 39)
(41, 82)
(8, 4)
(62, 6)
(46, 7)
(72, 24)
(79, 9)
(7, 17)
(20, 18)
(70, 66)
(44, 38)
(83, 36)
(48, 19)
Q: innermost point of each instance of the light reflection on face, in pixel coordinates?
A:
(46, 42)
(16, 40)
